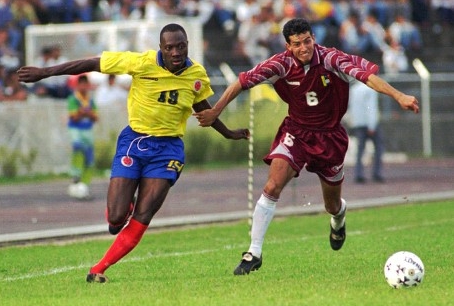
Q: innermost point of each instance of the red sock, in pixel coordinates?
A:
(126, 240)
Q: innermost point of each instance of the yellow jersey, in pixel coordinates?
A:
(159, 101)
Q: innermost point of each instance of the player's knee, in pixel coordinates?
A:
(273, 189)
(117, 216)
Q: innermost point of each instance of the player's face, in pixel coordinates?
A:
(83, 87)
(174, 48)
(302, 47)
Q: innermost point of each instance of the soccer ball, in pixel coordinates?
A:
(78, 191)
(404, 269)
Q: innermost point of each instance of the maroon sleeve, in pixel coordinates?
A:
(271, 69)
(349, 64)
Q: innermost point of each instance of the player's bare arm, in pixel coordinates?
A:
(406, 102)
(207, 117)
(219, 126)
(30, 74)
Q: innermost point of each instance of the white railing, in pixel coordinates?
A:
(89, 39)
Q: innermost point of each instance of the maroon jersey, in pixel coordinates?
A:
(311, 135)
(316, 94)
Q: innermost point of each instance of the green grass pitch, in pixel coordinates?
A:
(194, 266)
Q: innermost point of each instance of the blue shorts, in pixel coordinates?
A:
(143, 156)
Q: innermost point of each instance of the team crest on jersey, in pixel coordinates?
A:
(197, 85)
(325, 80)
(127, 161)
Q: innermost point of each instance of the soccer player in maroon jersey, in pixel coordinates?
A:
(314, 81)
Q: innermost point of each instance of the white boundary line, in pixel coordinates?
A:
(221, 217)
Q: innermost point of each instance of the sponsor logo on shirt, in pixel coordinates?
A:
(150, 78)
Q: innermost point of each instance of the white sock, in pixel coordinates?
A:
(338, 220)
(263, 214)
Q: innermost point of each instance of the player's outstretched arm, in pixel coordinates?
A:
(406, 102)
(208, 116)
(219, 126)
(31, 74)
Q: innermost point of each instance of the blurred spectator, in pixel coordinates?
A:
(399, 7)
(170, 7)
(23, 16)
(110, 93)
(405, 33)
(154, 10)
(57, 11)
(246, 9)
(12, 89)
(253, 36)
(394, 62)
(276, 41)
(341, 11)
(444, 10)
(6, 21)
(2, 75)
(420, 13)
(129, 10)
(40, 10)
(361, 8)
(364, 117)
(82, 116)
(9, 57)
(382, 11)
(224, 15)
(202, 9)
(108, 10)
(56, 86)
(394, 58)
(376, 31)
(352, 37)
(288, 12)
(83, 10)
(320, 15)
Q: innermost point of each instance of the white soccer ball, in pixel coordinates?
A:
(404, 269)
(79, 191)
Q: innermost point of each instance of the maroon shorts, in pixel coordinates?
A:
(321, 151)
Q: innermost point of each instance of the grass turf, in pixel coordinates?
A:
(195, 266)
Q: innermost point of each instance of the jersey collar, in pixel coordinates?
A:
(316, 57)
(187, 64)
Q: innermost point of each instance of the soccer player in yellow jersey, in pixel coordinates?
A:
(166, 86)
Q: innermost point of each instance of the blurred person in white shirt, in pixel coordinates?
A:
(111, 93)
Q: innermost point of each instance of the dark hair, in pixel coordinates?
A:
(296, 26)
(83, 78)
(172, 27)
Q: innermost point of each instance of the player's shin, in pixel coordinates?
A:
(263, 214)
(125, 242)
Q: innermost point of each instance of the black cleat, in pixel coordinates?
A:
(337, 238)
(96, 278)
(248, 263)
